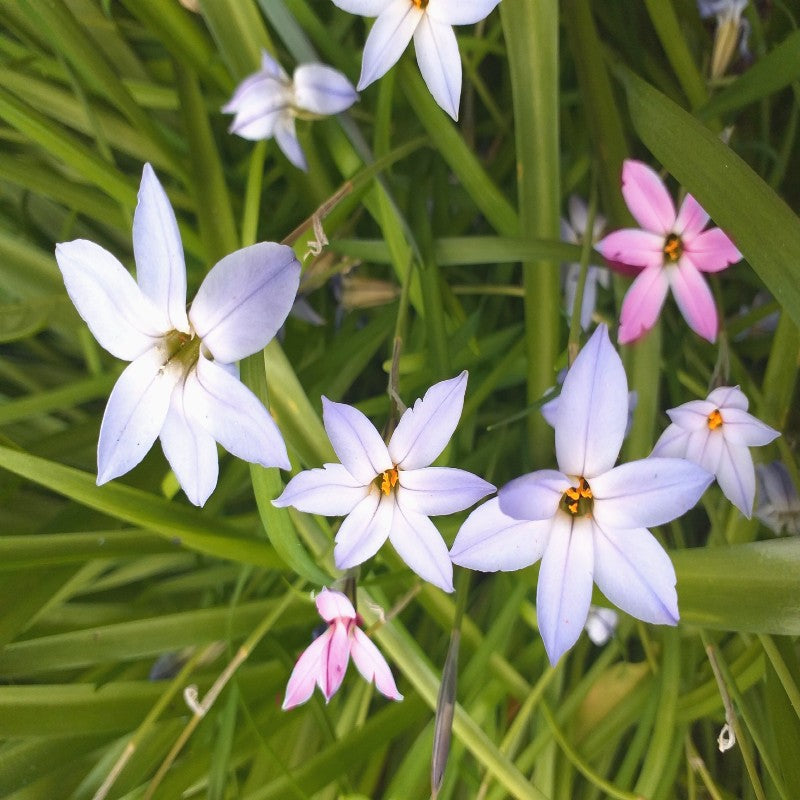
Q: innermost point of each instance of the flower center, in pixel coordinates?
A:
(673, 248)
(386, 480)
(577, 500)
(421, 4)
(183, 348)
(714, 420)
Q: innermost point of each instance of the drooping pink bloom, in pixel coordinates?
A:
(324, 661)
(671, 250)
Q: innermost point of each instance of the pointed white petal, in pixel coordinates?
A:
(244, 299)
(534, 496)
(439, 62)
(286, 136)
(424, 430)
(321, 89)
(421, 546)
(565, 584)
(334, 660)
(490, 540)
(440, 490)
(389, 36)
(549, 411)
(651, 491)
(234, 416)
(331, 491)
(190, 450)
(355, 440)
(672, 443)
(739, 427)
(306, 672)
(365, 8)
(593, 409)
(363, 530)
(121, 318)
(634, 572)
(704, 447)
(157, 248)
(728, 397)
(372, 665)
(736, 476)
(461, 12)
(692, 416)
(135, 412)
(259, 104)
(334, 605)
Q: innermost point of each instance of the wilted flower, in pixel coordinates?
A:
(324, 661)
(673, 250)
(181, 385)
(716, 434)
(389, 490)
(430, 23)
(267, 103)
(589, 519)
(778, 502)
(732, 28)
(574, 231)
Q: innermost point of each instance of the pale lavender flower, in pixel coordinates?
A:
(588, 520)
(716, 433)
(601, 624)
(267, 103)
(324, 661)
(430, 23)
(778, 502)
(389, 490)
(182, 385)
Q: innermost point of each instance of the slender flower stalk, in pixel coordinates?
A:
(389, 491)
(587, 520)
(182, 384)
(324, 662)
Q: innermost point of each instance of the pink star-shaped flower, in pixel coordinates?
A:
(671, 250)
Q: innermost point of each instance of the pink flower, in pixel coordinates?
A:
(671, 250)
(324, 661)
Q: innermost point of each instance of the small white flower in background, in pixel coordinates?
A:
(389, 490)
(732, 29)
(601, 624)
(778, 502)
(324, 662)
(182, 385)
(716, 434)
(574, 231)
(588, 520)
(430, 23)
(267, 103)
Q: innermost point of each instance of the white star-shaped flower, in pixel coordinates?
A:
(390, 490)
(587, 520)
(430, 23)
(181, 385)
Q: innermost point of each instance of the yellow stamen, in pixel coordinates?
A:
(673, 248)
(578, 499)
(421, 4)
(388, 479)
(714, 420)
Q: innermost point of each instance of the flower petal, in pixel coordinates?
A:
(739, 427)
(672, 443)
(704, 447)
(365, 8)
(306, 672)
(334, 605)
(592, 410)
(460, 12)
(286, 137)
(244, 299)
(691, 220)
(421, 546)
(321, 89)
(259, 103)
(389, 36)
(234, 416)
(712, 250)
(651, 491)
(332, 491)
(692, 416)
(647, 197)
(424, 430)
(728, 397)
(157, 248)
(364, 530)
(490, 540)
(565, 584)
(534, 496)
(440, 490)
(372, 665)
(121, 318)
(334, 660)
(355, 440)
(633, 246)
(694, 299)
(136, 410)
(439, 62)
(190, 450)
(642, 304)
(634, 572)
(736, 476)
